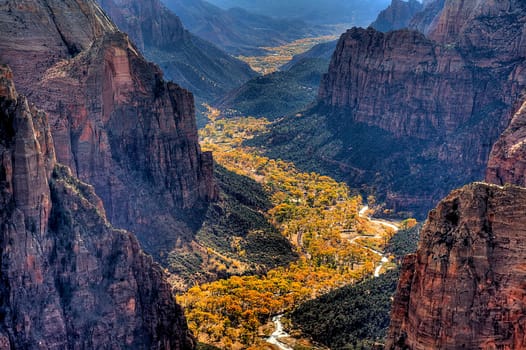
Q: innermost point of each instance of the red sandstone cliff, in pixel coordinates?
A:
(69, 280)
(464, 288)
(115, 121)
(438, 101)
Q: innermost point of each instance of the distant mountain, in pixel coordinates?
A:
(238, 31)
(397, 16)
(351, 12)
(190, 61)
(284, 92)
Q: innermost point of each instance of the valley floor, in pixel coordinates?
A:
(278, 56)
(337, 244)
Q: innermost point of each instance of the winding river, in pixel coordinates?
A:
(280, 333)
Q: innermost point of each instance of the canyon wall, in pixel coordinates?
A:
(507, 163)
(397, 16)
(116, 123)
(69, 279)
(438, 101)
(464, 288)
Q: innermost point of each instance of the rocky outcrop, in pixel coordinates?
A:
(397, 16)
(466, 288)
(69, 279)
(116, 123)
(432, 99)
(186, 59)
(507, 162)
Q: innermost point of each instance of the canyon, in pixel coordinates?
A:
(109, 205)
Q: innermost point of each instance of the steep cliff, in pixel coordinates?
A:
(120, 127)
(413, 116)
(69, 280)
(397, 16)
(115, 121)
(186, 59)
(464, 288)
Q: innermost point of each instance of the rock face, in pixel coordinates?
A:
(432, 99)
(507, 162)
(69, 280)
(186, 59)
(397, 16)
(116, 123)
(464, 288)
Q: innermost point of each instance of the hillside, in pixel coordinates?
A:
(356, 316)
(277, 94)
(323, 51)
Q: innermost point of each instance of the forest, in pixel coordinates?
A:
(319, 217)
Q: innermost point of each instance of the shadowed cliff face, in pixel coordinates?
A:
(448, 96)
(115, 121)
(68, 279)
(464, 288)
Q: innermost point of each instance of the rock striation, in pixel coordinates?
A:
(432, 98)
(115, 122)
(464, 288)
(69, 279)
(397, 16)
(185, 58)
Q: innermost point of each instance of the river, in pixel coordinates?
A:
(278, 333)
